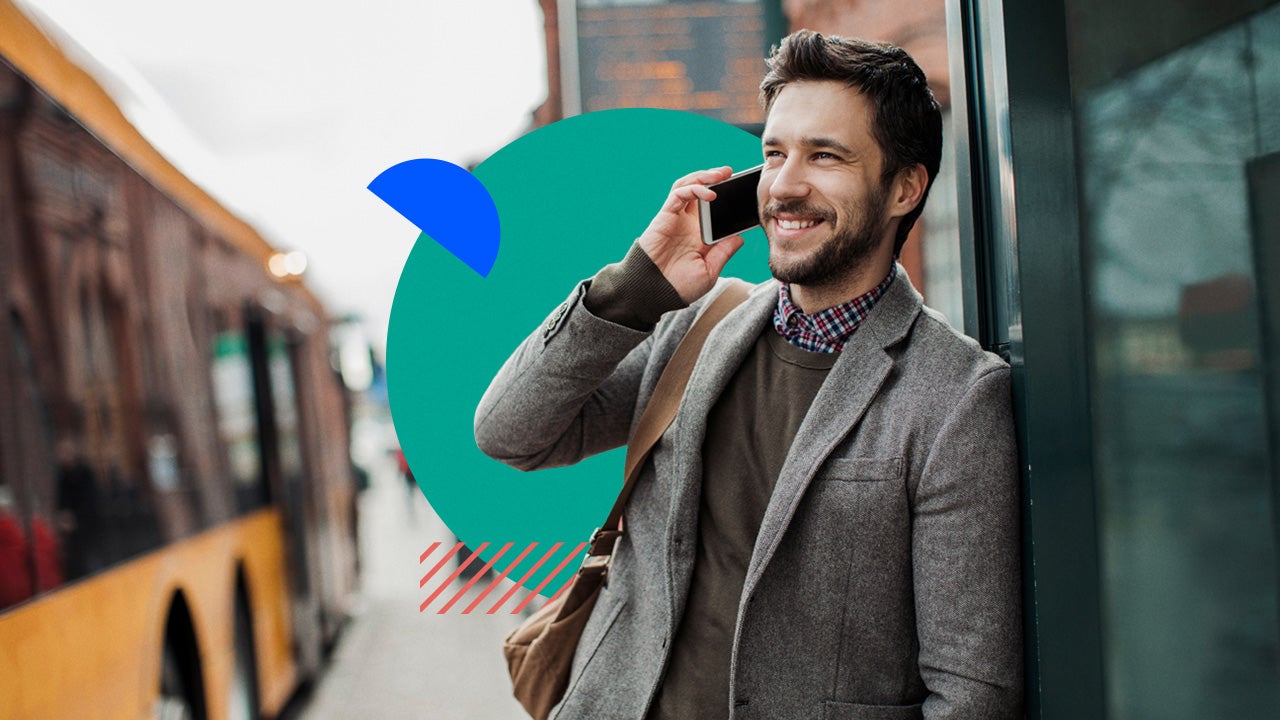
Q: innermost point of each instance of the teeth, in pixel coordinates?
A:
(796, 224)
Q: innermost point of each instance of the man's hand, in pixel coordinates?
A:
(673, 239)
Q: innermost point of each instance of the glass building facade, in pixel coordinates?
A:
(1173, 156)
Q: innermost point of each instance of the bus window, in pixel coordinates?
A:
(234, 399)
(113, 444)
(16, 581)
(38, 543)
(170, 482)
(15, 569)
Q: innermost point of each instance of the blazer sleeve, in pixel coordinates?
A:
(568, 391)
(965, 550)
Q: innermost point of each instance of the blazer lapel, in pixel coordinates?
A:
(854, 381)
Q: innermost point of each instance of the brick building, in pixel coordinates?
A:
(918, 26)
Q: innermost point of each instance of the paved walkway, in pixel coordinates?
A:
(394, 662)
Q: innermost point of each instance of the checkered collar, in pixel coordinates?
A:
(826, 331)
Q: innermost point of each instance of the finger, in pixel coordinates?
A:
(712, 175)
(694, 192)
(682, 196)
(720, 253)
(703, 176)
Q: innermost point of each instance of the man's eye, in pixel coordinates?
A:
(772, 153)
(825, 156)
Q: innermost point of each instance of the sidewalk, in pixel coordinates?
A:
(392, 661)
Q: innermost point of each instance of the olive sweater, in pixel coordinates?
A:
(749, 434)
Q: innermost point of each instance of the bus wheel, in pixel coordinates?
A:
(243, 701)
(174, 702)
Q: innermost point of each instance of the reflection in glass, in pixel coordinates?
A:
(234, 398)
(940, 222)
(1187, 517)
(285, 404)
(31, 552)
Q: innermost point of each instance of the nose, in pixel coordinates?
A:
(788, 181)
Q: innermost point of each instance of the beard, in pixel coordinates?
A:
(847, 249)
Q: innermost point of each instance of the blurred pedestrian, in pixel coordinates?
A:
(411, 483)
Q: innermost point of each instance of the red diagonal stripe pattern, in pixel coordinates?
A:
(549, 578)
(436, 569)
(528, 574)
(423, 557)
(474, 578)
(452, 576)
(501, 576)
(442, 587)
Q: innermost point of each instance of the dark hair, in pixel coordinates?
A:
(906, 121)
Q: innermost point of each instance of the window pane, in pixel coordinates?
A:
(285, 404)
(1168, 126)
(234, 398)
(31, 553)
(36, 460)
(940, 236)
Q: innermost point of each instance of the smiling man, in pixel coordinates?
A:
(829, 529)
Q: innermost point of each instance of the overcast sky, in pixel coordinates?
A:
(291, 108)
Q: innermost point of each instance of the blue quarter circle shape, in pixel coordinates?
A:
(448, 204)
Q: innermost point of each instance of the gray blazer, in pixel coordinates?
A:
(884, 581)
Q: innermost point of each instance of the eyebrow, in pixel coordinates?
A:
(816, 142)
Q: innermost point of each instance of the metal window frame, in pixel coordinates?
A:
(1025, 299)
(1264, 219)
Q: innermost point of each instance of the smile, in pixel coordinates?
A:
(796, 224)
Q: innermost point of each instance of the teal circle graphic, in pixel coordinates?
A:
(571, 198)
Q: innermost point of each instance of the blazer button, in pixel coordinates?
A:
(554, 319)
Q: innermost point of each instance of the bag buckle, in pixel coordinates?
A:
(602, 541)
(596, 563)
(599, 557)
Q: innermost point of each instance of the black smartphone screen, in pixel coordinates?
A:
(735, 208)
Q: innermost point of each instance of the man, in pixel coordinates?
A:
(829, 527)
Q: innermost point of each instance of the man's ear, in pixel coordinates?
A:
(907, 189)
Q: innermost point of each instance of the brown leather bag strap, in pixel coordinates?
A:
(663, 406)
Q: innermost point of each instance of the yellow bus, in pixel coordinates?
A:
(176, 499)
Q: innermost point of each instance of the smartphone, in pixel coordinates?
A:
(735, 209)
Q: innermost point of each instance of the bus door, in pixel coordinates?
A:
(282, 456)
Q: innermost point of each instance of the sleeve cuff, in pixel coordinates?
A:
(633, 292)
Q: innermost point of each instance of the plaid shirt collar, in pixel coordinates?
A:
(829, 330)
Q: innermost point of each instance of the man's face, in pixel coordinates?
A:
(822, 202)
